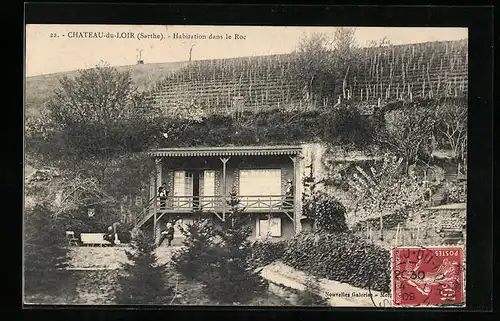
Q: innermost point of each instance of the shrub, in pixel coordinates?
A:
(347, 126)
(454, 193)
(192, 260)
(144, 281)
(230, 276)
(342, 257)
(45, 257)
(266, 252)
(327, 213)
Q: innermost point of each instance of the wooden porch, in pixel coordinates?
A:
(218, 205)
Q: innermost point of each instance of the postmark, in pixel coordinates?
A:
(431, 276)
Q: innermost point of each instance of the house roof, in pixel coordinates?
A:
(226, 151)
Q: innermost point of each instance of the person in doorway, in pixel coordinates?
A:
(163, 194)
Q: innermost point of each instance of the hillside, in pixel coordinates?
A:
(39, 88)
(404, 72)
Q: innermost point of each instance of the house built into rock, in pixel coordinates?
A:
(200, 182)
(200, 178)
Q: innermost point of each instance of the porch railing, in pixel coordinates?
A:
(216, 203)
(187, 204)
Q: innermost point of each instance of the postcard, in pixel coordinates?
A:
(245, 165)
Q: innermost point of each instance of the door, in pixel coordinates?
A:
(260, 188)
(183, 190)
(209, 189)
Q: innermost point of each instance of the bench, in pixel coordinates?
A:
(92, 239)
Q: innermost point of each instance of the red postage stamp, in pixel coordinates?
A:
(428, 276)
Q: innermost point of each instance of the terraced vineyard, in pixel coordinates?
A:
(227, 84)
(404, 72)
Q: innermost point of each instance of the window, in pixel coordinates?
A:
(270, 227)
(179, 183)
(209, 183)
(260, 182)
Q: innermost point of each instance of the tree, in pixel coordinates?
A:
(452, 125)
(145, 280)
(197, 253)
(45, 256)
(385, 190)
(96, 128)
(407, 132)
(328, 214)
(230, 276)
(312, 66)
(92, 121)
(344, 49)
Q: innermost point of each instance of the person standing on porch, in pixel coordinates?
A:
(289, 192)
(163, 194)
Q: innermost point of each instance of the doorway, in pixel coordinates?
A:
(187, 189)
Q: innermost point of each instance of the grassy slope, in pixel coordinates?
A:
(39, 88)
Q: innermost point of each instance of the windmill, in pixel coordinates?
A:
(191, 51)
(139, 58)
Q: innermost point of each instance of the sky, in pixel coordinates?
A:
(59, 48)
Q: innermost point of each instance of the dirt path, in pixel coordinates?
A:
(338, 294)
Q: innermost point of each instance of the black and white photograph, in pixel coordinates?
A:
(198, 165)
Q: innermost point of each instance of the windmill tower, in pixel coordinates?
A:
(139, 57)
(191, 51)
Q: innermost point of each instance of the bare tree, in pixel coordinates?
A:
(407, 132)
(383, 190)
(452, 125)
(344, 48)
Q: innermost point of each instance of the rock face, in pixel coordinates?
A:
(313, 163)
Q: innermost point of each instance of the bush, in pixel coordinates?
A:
(327, 213)
(45, 256)
(191, 261)
(231, 277)
(342, 257)
(266, 252)
(347, 126)
(220, 258)
(144, 281)
(454, 193)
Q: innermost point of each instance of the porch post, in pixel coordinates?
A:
(297, 202)
(158, 169)
(224, 160)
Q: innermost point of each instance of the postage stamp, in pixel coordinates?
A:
(428, 276)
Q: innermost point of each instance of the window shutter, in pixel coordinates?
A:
(218, 177)
(275, 226)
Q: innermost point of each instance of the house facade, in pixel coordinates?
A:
(266, 179)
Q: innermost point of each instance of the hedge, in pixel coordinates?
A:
(341, 257)
(344, 126)
(265, 252)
